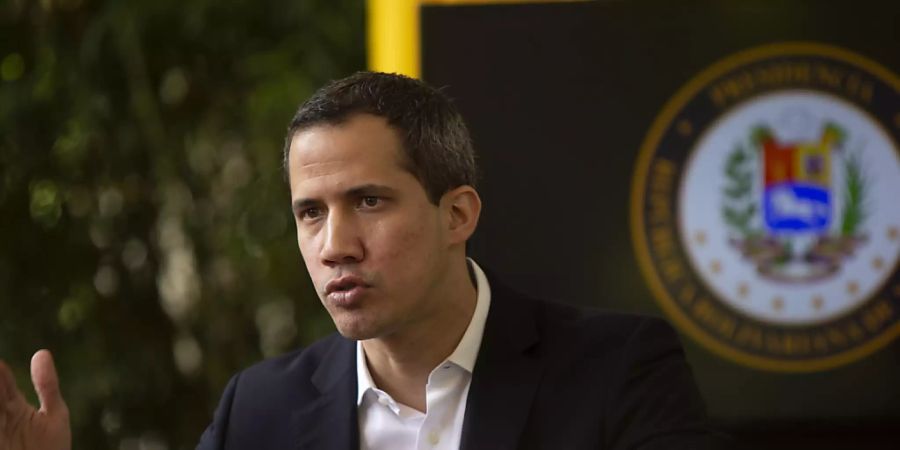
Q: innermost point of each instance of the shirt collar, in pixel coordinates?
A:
(466, 351)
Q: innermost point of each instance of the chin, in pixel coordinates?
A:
(355, 331)
(353, 334)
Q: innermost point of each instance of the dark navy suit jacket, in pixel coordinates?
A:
(548, 376)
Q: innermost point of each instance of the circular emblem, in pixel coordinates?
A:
(766, 207)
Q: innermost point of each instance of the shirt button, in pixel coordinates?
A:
(384, 401)
(433, 438)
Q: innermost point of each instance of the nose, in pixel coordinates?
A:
(343, 243)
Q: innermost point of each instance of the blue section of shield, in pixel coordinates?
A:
(797, 208)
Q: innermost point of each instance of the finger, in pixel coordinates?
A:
(7, 384)
(46, 382)
(7, 387)
(4, 373)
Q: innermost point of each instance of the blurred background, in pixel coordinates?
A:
(145, 231)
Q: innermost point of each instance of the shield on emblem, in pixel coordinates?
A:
(796, 190)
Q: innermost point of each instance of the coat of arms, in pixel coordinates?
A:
(796, 239)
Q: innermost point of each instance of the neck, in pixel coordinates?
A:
(401, 362)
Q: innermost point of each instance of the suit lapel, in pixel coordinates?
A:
(506, 375)
(330, 421)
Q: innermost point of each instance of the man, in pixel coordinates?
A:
(430, 352)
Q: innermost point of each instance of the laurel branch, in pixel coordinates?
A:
(739, 208)
(855, 191)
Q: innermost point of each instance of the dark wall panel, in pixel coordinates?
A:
(559, 98)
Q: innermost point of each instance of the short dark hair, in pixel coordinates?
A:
(436, 142)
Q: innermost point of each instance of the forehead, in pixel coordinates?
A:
(362, 149)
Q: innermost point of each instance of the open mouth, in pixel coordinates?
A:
(345, 290)
(343, 286)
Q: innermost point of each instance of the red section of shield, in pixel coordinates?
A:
(778, 163)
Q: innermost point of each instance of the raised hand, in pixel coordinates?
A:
(21, 426)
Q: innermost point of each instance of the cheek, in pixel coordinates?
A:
(410, 247)
(308, 252)
(303, 246)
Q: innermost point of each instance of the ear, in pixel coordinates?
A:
(461, 207)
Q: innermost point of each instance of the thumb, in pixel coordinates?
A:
(46, 382)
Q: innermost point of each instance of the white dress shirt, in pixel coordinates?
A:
(385, 424)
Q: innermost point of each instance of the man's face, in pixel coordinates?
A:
(373, 244)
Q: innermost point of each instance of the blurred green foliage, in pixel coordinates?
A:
(145, 231)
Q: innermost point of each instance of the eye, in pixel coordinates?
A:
(310, 213)
(369, 201)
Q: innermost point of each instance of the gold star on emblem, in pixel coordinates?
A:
(743, 290)
(893, 233)
(715, 266)
(852, 288)
(877, 263)
(684, 127)
(817, 302)
(777, 303)
(700, 237)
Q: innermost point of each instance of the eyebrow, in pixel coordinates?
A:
(369, 189)
(354, 192)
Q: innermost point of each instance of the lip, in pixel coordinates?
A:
(349, 298)
(346, 291)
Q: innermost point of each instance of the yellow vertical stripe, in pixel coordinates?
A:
(393, 36)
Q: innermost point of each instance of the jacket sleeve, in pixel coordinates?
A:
(214, 436)
(655, 403)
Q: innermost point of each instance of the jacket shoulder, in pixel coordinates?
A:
(256, 407)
